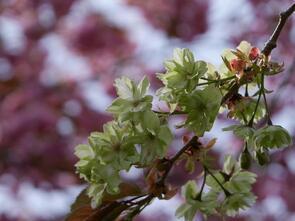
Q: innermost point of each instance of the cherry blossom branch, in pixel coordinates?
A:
(269, 46)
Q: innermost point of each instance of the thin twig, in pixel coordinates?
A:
(272, 42)
(140, 206)
(218, 80)
(246, 90)
(199, 196)
(192, 143)
(134, 198)
(250, 124)
(226, 192)
(269, 122)
(176, 112)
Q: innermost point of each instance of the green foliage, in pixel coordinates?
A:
(182, 75)
(245, 108)
(202, 107)
(139, 136)
(132, 101)
(259, 141)
(153, 138)
(241, 131)
(136, 138)
(206, 205)
(104, 157)
(229, 195)
(238, 183)
(271, 136)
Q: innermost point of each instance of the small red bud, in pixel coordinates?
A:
(254, 53)
(237, 64)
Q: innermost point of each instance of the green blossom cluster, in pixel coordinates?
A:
(228, 192)
(139, 135)
(136, 137)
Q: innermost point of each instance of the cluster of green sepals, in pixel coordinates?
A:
(138, 135)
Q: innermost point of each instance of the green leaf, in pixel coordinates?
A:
(132, 100)
(182, 210)
(84, 151)
(190, 164)
(241, 182)
(95, 191)
(150, 122)
(230, 165)
(236, 202)
(201, 67)
(125, 87)
(165, 135)
(245, 108)
(118, 105)
(239, 185)
(241, 131)
(245, 47)
(143, 86)
(202, 107)
(271, 136)
(84, 165)
(190, 190)
(154, 146)
(182, 75)
(211, 182)
(226, 62)
(207, 205)
(212, 72)
(183, 57)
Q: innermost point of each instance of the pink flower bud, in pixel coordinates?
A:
(237, 64)
(254, 53)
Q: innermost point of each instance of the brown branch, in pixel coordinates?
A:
(167, 164)
(140, 205)
(272, 42)
(192, 143)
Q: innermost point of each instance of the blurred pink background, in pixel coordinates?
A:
(58, 60)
